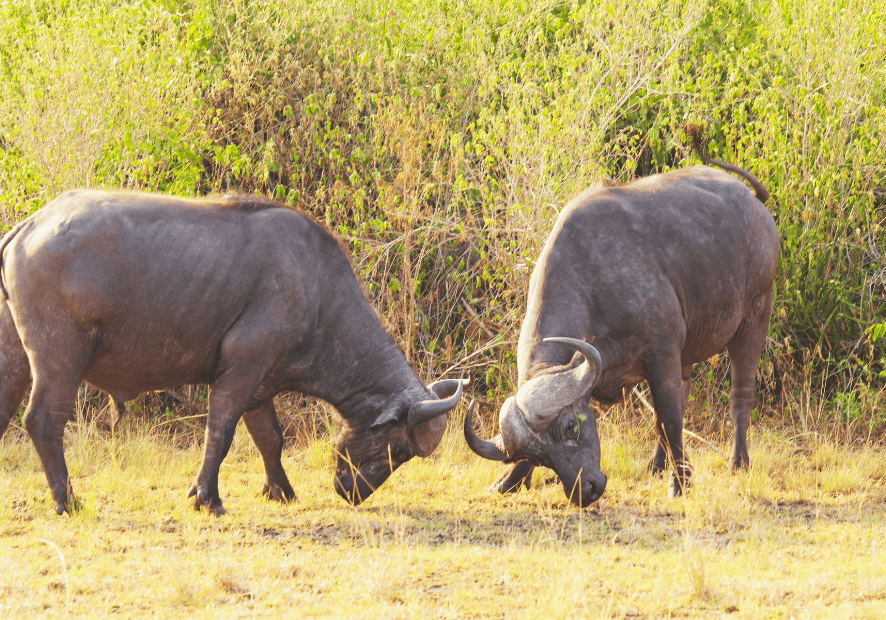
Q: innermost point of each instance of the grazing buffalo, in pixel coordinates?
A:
(658, 274)
(134, 292)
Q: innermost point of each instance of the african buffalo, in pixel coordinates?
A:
(658, 274)
(134, 292)
(15, 374)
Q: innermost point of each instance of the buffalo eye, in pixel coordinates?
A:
(400, 453)
(572, 429)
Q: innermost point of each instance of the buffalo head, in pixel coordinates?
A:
(549, 423)
(405, 428)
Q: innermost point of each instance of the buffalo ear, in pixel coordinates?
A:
(425, 437)
(390, 415)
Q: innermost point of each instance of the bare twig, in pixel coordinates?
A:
(179, 419)
(706, 442)
(641, 81)
(477, 318)
(489, 345)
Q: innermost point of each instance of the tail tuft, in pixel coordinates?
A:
(696, 134)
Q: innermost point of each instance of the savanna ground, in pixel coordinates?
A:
(439, 139)
(802, 534)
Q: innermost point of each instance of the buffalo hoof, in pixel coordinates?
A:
(278, 493)
(740, 463)
(71, 507)
(675, 488)
(202, 499)
(680, 481)
(70, 504)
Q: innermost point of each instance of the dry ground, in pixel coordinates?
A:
(801, 535)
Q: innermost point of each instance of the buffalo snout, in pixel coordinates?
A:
(356, 483)
(585, 490)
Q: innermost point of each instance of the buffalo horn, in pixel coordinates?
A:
(589, 351)
(481, 447)
(543, 396)
(426, 410)
(444, 388)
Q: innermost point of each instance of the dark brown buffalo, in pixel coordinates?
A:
(659, 274)
(15, 374)
(134, 292)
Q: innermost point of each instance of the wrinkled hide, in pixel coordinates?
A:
(134, 292)
(657, 275)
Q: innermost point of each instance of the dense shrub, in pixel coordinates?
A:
(441, 138)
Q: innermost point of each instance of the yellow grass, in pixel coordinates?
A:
(800, 535)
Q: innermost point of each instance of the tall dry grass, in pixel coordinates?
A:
(799, 534)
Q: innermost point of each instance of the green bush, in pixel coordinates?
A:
(440, 139)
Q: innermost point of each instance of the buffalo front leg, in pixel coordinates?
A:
(659, 463)
(264, 427)
(226, 406)
(517, 475)
(45, 419)
(668, 389)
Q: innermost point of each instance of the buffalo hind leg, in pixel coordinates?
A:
(47, 413)
(264, 427)
(14, 383)
(745, 350)
(15, 370)
(517, 475)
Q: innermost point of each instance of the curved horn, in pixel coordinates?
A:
(543, 396)
(444, 388)
(585, 348)
(425, 410)
(491, 450)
